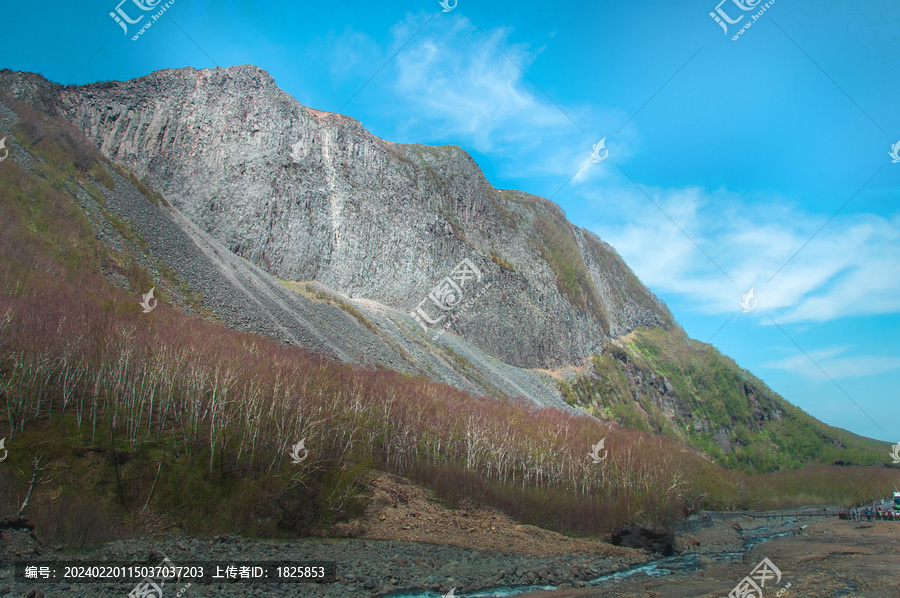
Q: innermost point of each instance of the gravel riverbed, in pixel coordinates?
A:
(364, 567)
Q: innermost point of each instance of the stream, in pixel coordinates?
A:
(688, 563)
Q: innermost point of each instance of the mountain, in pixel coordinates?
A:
(360, 215)
(245, 207)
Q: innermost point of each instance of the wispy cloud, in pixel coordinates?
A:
(461, 83)
(831, 361)
(351, 53)
(851, 268)
(452, 84)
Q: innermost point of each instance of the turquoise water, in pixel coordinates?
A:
(688, 563)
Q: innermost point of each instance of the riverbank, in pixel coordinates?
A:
(819, 559)
(364, 567)
(406, 542)
(829, 558)
(409, 545)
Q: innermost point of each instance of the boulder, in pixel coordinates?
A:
(632, 535)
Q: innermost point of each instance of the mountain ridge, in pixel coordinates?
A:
(221, 155)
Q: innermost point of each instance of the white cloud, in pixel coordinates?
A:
(463, 87)
(850, 268)
(447, 81)
(451, 83)
(837, 367)
(351, 52)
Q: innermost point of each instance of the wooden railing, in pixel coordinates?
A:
(795, 513)
(705, 519)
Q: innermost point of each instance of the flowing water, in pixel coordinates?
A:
(689, 563)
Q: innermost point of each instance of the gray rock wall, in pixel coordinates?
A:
(308, 195)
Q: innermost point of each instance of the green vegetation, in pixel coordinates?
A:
(126, 229)
(765, 433)
(99, 173)
(316, 293)
(607, 393)
(455, 226)
(504, 264)
(559, 249)
(622, 285)
(155, 197)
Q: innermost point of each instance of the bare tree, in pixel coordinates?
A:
(37, 478)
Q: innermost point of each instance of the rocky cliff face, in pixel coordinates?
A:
(313, 196)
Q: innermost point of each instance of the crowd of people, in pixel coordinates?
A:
(871, 513)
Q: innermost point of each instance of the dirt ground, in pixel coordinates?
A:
(827, 559)
(403, 511)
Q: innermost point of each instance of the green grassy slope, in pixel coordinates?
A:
(661, 381)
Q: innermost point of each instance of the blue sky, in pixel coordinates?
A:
(760, 162)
